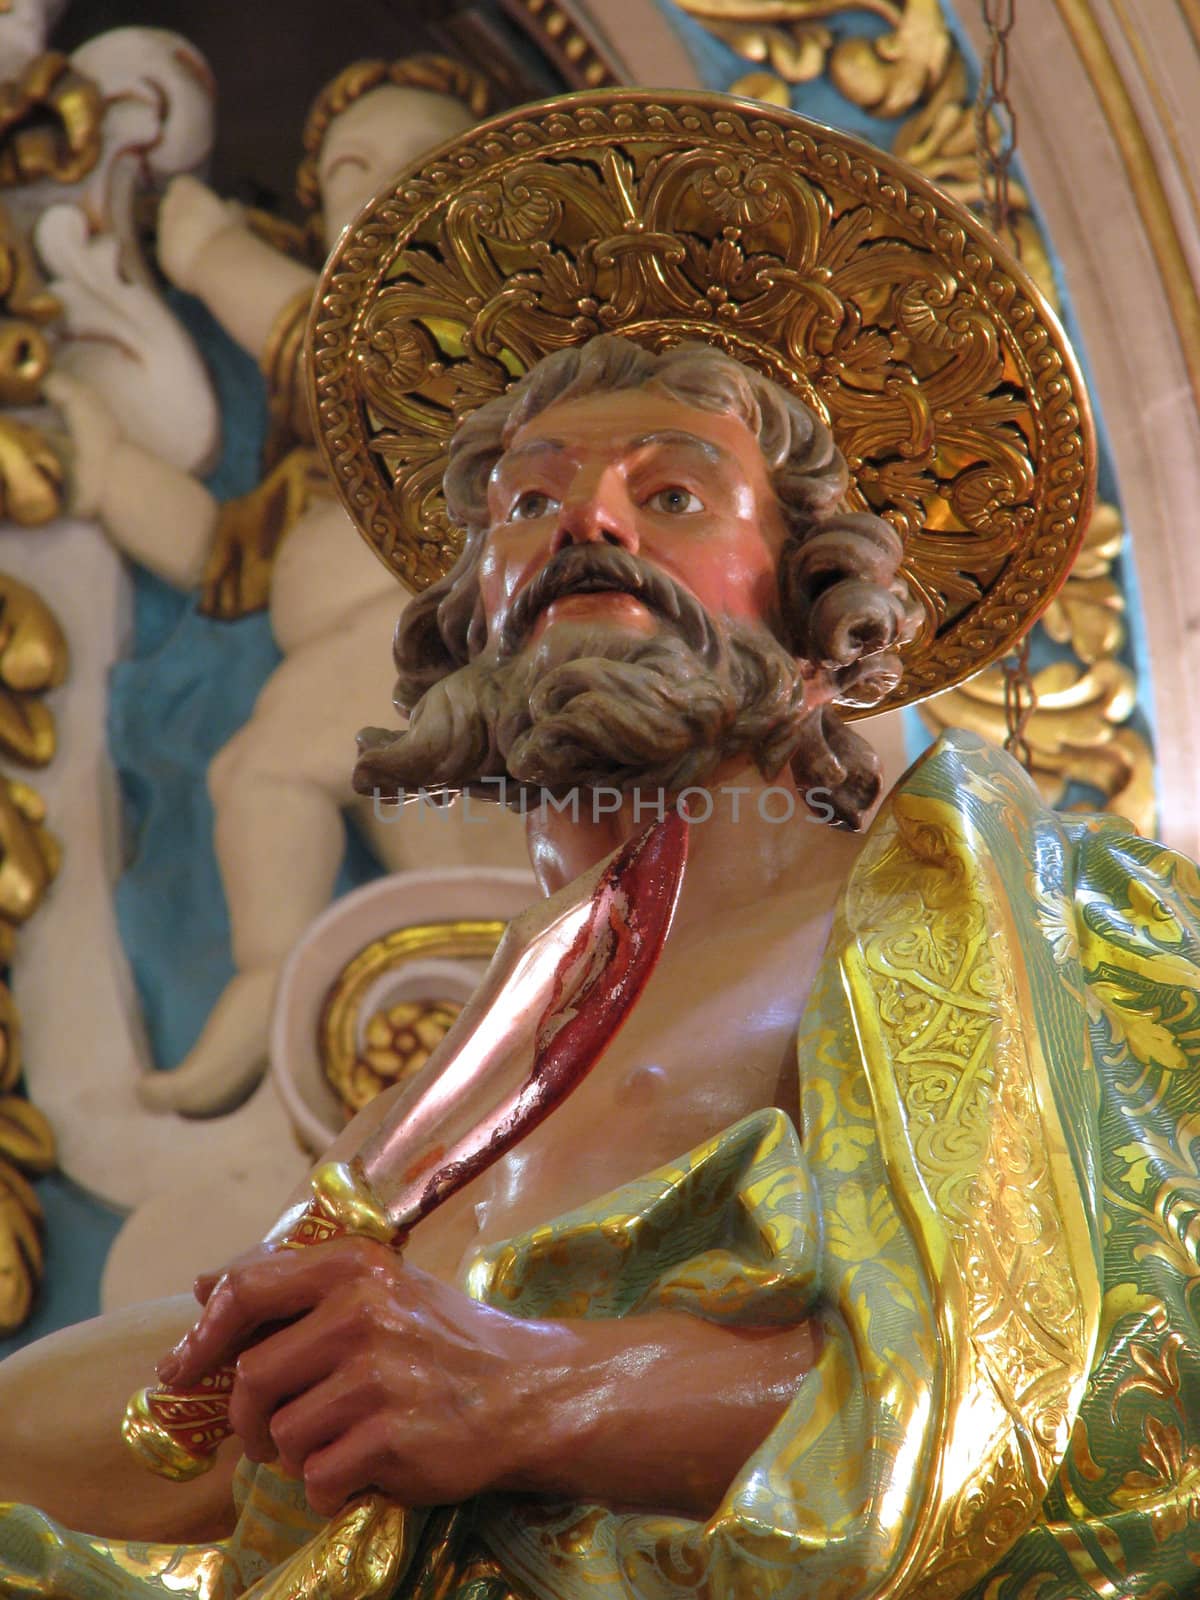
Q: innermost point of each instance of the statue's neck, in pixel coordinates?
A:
(749, 839)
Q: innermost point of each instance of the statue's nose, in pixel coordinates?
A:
(597, 511)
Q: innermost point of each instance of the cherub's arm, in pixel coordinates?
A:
(205, 248)
(152, 511)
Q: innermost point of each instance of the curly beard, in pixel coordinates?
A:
(593, 706)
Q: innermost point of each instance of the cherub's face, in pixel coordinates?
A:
(683, 489)
(374, 139)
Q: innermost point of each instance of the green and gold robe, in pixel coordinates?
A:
(992, 1205)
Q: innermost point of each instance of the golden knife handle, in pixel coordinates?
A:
(176, 1431)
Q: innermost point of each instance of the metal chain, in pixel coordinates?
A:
(995, 151)
(996, 123)
(1020, 702)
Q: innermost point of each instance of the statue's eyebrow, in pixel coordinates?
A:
(532, 447)
(663, 436)
(678, 436)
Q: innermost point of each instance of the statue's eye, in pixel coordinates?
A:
(675, 501)
(532, 504)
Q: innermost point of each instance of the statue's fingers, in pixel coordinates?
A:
(359, 1459)
(241, 1305)
(277, 1375)
(271, 1287)
(318, 1417)
(204, 1285)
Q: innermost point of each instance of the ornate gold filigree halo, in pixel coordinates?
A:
(808, 254)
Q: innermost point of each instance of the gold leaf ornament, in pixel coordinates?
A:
(24, 362)
(23, 291)
(50, 119)
(26, 1138)
(21, 1257)
(32, 477)
(1088, 613)
(396, 1044)
(33, 659)
(915, 66)
(795, 54)
(28, 859)
(29, 853)
(33, 647)
(10, 1025)
(888, 75)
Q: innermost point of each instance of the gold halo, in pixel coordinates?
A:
(825, 263)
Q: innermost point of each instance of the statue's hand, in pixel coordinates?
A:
(382, 1377)
(189, 219)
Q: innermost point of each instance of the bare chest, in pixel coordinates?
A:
(711, 1040)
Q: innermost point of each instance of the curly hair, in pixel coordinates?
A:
(845, 604)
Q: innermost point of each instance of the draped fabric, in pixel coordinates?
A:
(993, 1207)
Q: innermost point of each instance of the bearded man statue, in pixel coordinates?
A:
(863, 1263)
(658, 709)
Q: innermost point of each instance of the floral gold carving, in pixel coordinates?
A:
(28, 862)
(787, 55)
(33, 649)
(1079, 731)
(31, 475)
(29, 855)
(809, 255)
(887, 75)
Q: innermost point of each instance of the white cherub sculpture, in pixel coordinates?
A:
(280, 785)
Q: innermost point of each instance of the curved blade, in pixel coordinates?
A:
(565, 976)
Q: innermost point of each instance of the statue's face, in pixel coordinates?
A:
(683, 489)
(628, 584)
(374, 139)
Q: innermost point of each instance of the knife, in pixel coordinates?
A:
(565, 975)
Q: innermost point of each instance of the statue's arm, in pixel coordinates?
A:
(205, 247)
(391, 1378)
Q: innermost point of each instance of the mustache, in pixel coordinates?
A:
(599, 568)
